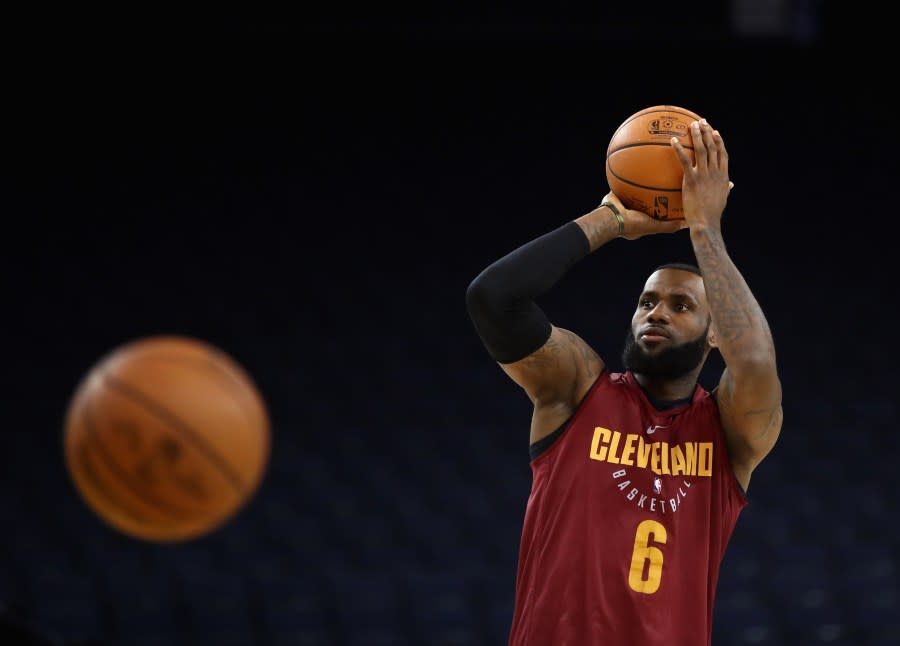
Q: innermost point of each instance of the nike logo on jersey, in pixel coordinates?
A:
(652, 429)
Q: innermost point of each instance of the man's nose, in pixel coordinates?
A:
(658, 313)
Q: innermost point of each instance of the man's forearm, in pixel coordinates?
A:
(744, 337)
(600, 226)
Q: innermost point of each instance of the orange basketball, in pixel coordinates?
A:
(166, 438)
(641, 166)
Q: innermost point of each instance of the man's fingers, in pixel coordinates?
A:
(723, 154)
(699, 147)
(709, 143)
(682, 154)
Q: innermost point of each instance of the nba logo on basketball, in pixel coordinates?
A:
(661, 206)
(657, 485)
(667, 127)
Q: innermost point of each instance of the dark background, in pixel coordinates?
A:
(314, 195)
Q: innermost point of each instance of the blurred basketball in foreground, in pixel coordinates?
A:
(166, 438)
(642, 168)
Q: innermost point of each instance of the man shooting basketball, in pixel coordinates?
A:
(638, 477)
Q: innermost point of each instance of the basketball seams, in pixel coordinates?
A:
(644, 143)
(88, 476)
(122, 476)
(235, 382)
(238, 381)
(174, 422)
(612, 172)
(649, 188)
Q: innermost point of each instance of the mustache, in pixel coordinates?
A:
(671, 362)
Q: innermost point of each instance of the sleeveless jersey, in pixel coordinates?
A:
(629, 515)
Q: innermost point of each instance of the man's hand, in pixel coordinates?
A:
(638, 224)
(705, 187)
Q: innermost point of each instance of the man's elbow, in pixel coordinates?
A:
(483, 294)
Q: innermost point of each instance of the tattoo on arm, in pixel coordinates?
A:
(771, 415)
(589, 359)
(546, 357)
(599, 226)
(738, 317)
(757, 423)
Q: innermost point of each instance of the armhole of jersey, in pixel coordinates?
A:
(742, 495)
(540, 447)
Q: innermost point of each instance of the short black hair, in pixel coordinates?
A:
(684, 266)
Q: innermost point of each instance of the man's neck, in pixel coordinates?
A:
(668, 389)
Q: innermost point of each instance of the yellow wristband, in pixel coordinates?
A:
(615, 212)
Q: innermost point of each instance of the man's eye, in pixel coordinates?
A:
(681, 307)
(646, 304)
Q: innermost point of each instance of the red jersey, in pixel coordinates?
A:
(629, 515)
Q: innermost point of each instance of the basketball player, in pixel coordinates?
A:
(638, 477)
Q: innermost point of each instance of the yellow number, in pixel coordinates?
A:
(647, 558)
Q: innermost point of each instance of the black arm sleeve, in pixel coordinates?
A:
(500, 300)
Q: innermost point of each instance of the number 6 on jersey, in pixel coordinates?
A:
(646, 557)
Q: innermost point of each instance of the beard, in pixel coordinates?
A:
(671, 362)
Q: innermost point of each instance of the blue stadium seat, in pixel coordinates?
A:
(742, 565)
(64, 599)
(769, 526)
(441, 608)
(294, 610)
(742, 618)
(305, 536)
(876, 614)
(184, 559)
(494, 601)
(10, 585)
(866, 566)
(368, 608)
(142, 600)
(215, 608)
(815, 617)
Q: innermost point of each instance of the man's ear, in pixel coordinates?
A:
(712, 339)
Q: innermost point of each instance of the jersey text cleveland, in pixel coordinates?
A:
(688, 459)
